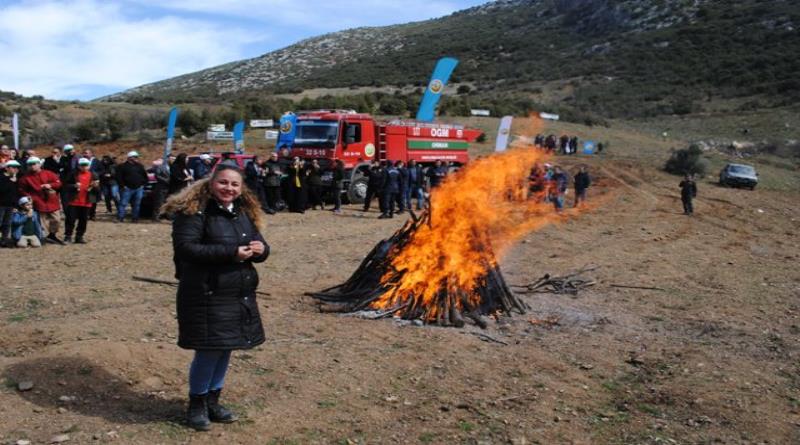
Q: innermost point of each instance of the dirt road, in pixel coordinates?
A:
(712, 358)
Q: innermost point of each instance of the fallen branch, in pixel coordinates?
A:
(485, 337)
(518, 396)
(175, 283)
(567, 284)
(625, 286)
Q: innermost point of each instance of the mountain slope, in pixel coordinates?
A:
(661, 56)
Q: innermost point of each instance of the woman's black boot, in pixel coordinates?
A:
(217, 412)
(197, 415)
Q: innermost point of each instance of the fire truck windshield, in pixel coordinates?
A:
(316, 133)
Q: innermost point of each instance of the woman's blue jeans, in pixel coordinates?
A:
(207, 372)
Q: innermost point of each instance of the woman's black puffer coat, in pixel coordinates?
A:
(217, 294)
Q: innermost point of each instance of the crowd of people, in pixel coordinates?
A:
(37, 194)
(550, 183)
(565, 145)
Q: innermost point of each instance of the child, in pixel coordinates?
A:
(25, 225)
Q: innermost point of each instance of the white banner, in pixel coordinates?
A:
(549, 116)
(219, 135)
(15, 128)
(216, 127)
(271, 134)
(261, 123)
(503, 133)
(478, 112)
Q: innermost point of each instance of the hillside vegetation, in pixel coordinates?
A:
(617, 58)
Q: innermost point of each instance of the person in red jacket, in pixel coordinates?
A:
(42, 186)
(81, 188)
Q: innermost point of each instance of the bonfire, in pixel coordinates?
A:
(442, 267)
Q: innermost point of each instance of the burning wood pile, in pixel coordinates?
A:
(443, 267)
(378, 284)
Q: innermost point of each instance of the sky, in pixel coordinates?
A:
(84, 49)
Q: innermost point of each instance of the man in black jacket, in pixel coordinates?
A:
(416, 179)
(53, 162)
(582, 182)
(391, 188)
(400, 198)
(160, 189)
(272, 182)
(688, 192)
(374, 185)
(131, 177)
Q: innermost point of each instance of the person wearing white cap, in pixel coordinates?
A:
(8, 199)
(82, 188)
(66, 166)
(26, 225)
(203, 168)
(43, 186)
(131, 177)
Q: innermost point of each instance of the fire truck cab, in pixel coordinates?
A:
(357, 140)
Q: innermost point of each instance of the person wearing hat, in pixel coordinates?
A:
(204, 167)
(26, 225)
(42, 186)
(131, 177)
(8, 199)
(66, 167)
(82, 189)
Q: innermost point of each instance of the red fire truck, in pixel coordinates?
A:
(357, 139)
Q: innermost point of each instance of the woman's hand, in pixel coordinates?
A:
(256, 247)
(244, 253)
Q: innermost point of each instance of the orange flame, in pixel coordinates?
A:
(477, 214)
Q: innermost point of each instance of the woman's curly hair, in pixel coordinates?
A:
(195, 198)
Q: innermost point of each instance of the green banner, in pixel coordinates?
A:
(437, 145)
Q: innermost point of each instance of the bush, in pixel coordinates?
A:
(687, 160)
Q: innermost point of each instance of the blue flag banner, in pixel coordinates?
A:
(503, 133)
(588, 147)
(287, 131)
(173, 118)
(238, 137)
(441, 74)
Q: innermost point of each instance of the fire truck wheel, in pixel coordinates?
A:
(357, 191)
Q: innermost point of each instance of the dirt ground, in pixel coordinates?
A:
(711, 357)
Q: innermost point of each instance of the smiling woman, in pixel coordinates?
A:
(216, 239)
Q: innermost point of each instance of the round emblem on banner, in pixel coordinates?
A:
(504, 131)
(369, 150)
(436, 86)
(286, 127)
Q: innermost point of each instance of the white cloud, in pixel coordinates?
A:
(322, 15)
(63, 49)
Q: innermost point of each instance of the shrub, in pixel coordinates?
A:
(687, 160)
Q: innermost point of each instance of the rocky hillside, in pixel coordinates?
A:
(619, 57)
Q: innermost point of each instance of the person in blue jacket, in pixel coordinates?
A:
(25, 226)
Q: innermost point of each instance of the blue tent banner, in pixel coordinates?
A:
(173, 118)
(288, 127)
(238, 137)
(588, 147)
(441, 74)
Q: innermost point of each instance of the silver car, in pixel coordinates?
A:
(738, 175)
